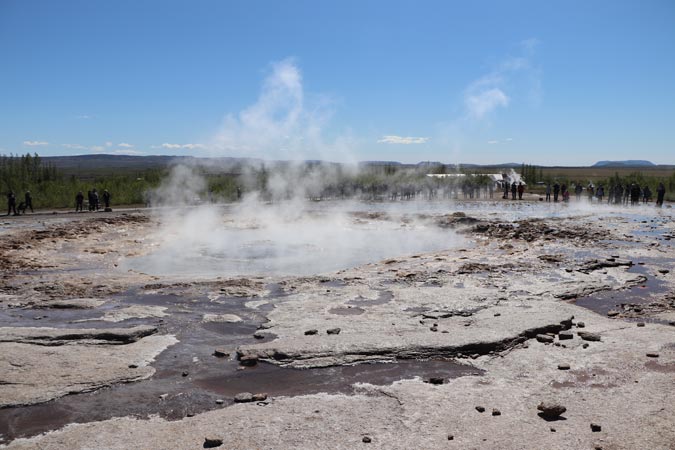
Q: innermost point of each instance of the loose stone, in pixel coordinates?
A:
(259, 397)
(588, 336)
(563, 366)
(496, 412)
(551, 410)
(212, 442)
(366, 439)
(451, 437)
(653, 355)
(544, 338)
(185, 373)
(220, 401)
(640, 324)
(243, 397)
(480, 409)
(133, 366)
(311, 332)
(580, 325)
(595, 428)
(219, 353)
(564, 335)
(248, 360)
(436, 380)
(585, 345)
(613, 313)
(334, 331)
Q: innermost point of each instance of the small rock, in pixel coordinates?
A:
(366, 439)
(212, 442)
(552, 430)
(434, 329)
(220, 401)
(497, 314)
(190, 414)
(664, 271)
(613, 313)
(133, 366)
(496, 412)
(334, 331)
(588, 336)
(480, 409)
(311, 332)
(544, 338)
(243, 397)
(640, 324)
(585, 345)
(581, 325)
(248, 360)
(595, 428)
(163, 396)
(564, 335)
(653, 355)
(260, 397)
(185, 373)
(436, 380)
(259, 335)
(219, 353)
(563, 366)
(551, 410)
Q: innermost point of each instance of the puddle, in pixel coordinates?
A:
(603, 302)
(277, 381)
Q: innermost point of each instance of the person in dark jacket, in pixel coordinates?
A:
(556, 192)
(28, 203)
(79, 202)
(11, 203)
(514, 190)
(660, 194)
(106, 198)
(521, 190)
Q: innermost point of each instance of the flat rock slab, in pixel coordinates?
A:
(61, 336)
(32, 373)
(364, 341)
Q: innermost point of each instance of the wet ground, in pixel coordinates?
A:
(399, 262)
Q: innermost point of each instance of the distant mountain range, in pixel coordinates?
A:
(106, 163)
(627, 163)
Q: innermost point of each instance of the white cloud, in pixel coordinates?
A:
(493, 142)
(34, 143)
(126, 151)
(480, 102)
(97, 148)
(85, 117)
(392, 139)
(181, 146)
(74, 146)
(508, 139)
(125, 145)
(108, 144)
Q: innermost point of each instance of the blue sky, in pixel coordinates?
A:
(541, 82)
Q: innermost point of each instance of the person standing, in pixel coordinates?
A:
(94, 198)
(514, 190)
(600, 193)
(660, 193)
(11, 203)
(79, 202)
(521, 190)
(556, 191)
(106, 199)
(28, 203)
(548, 192)
(577, 191)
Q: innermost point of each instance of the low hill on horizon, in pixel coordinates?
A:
(626, 163)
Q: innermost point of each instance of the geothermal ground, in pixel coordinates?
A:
(393, 326)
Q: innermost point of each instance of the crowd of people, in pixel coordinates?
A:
(617, 194)
(93, 199)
